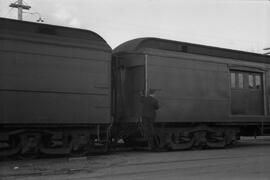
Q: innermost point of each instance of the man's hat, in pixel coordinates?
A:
(152, 91)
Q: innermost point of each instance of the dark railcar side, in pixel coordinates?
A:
(195, 89)
(54, 86)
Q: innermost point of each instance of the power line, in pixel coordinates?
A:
(36, 13)
(22, 5)
(7, 14)
(267, 49)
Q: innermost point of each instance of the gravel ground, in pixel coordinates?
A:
(250, 159)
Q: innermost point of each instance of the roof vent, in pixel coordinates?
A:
(184, 48)
(46, 30)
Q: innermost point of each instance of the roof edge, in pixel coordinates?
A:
(137, 45)
(7, 21)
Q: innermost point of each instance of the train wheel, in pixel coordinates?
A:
(80, 143)
(57, 143)
(78, 152)
(173, 142)
(230, 136)
(29, 145)
(215, 138)
(199, 140)
(160, 140)
(10, 146)
(156, 143)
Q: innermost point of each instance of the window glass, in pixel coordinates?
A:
(240, 80)
(258, 81)
(250, 81)
(233, 80)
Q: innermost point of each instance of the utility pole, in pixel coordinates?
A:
(20, 9)
(19, 4)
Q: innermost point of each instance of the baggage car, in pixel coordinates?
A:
(208, 96)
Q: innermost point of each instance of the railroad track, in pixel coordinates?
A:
(131, 164)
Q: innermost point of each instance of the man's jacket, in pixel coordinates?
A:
(150, 105)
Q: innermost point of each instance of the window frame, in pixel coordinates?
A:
(247, 76)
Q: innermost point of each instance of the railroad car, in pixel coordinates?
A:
(64, 91)
(54, 89)
(208, 96)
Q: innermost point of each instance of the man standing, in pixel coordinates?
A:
(150, 105)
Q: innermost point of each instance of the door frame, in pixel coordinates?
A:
(263, 80)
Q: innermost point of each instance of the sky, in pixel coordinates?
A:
(233, 24)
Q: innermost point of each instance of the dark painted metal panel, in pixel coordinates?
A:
(134, 87)
(189, 90)
(267, 92)
(191, 110)
(131, 60)
(246, 98)
(54, 49)
(61, 77)
(246, 102)
(194, 84)
(50, 73)
(47, 108)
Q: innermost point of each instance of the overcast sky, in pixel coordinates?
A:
(233, 24)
